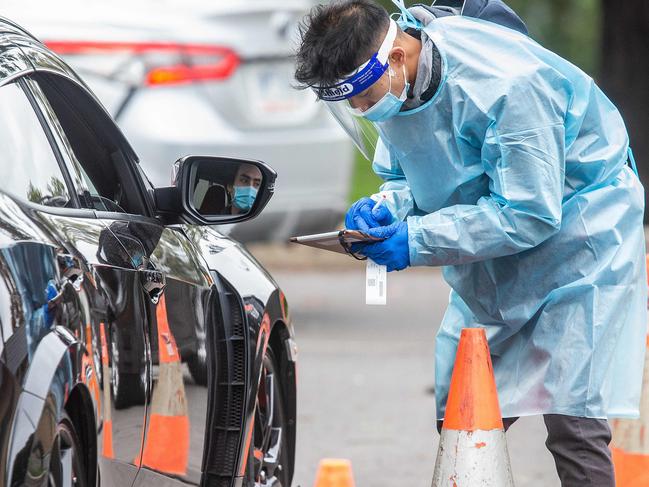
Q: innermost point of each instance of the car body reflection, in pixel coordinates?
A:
(123, 338)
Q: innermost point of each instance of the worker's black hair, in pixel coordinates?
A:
(336, 38)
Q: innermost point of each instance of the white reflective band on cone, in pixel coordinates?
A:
(472, 459)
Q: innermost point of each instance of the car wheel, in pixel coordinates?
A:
(197, 362)
(270, 455)
(128, 389)
(66, 462)
(197, 365)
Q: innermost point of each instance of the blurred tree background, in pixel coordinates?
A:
(606, 38)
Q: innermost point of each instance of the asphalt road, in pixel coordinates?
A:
(365, 376)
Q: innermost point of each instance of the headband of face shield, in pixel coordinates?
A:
(358, 124)
(365, 75)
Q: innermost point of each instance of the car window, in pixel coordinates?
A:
(103, 176)
(30, 169)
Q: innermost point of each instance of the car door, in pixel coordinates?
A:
(175, 284)
(177, 415)
(102, 292)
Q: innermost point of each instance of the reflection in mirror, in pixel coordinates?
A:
(225, 188)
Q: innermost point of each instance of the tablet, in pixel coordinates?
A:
(334, 241)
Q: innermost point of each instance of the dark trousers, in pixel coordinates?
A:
(579, 447)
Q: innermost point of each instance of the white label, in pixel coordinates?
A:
(376, 281)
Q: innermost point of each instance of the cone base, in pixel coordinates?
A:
(472, 458)
(107, 440)
(164, 431)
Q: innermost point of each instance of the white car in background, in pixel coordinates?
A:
(208, 77)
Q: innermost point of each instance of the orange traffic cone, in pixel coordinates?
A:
(333, 472)
(107, 439)
(472, 446)
(630, 443)
(166, 447)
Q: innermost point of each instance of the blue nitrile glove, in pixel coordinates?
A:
(392, 252)
(361, 217)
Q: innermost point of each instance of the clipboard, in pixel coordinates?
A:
(339, 241)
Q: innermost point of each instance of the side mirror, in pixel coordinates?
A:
(216, 190)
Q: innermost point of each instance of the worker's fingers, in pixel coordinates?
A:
(360, 224)
(382, 215)
(365, 212)
(353, 212)
(384, 231)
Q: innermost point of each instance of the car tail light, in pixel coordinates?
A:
(163, 63)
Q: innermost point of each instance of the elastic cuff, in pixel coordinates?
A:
(420, 250)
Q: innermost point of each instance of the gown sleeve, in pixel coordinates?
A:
(523, 155)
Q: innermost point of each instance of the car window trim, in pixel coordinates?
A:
(45, 126)
(82, 212)
(127, 149)
(52, 210)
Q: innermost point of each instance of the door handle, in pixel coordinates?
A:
(153, 283)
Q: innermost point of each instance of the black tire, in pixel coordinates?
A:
(266, 436)
(198, 369)
(128, 389)
(66, 445)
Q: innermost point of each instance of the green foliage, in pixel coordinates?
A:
(56, 187)
(34, 194)
(571, 28)
(364, 181)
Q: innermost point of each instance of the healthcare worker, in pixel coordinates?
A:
(509, 167)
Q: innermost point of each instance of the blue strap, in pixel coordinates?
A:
(632, 161)
(406, 20)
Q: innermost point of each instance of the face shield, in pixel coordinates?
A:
(359, 118)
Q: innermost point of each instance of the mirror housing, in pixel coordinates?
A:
(177, 203)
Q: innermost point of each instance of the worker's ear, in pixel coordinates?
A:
(397, 57)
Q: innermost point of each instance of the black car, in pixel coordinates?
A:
(138, 345)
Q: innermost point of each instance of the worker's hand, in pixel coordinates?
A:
(392, 252)
(361, 217)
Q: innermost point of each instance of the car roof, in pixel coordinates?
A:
(7, 26)
(21, 52)
(13, 61)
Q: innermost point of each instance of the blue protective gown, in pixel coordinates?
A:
(514, 178)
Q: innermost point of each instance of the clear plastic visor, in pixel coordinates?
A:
(363, 132)
(346, 102)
